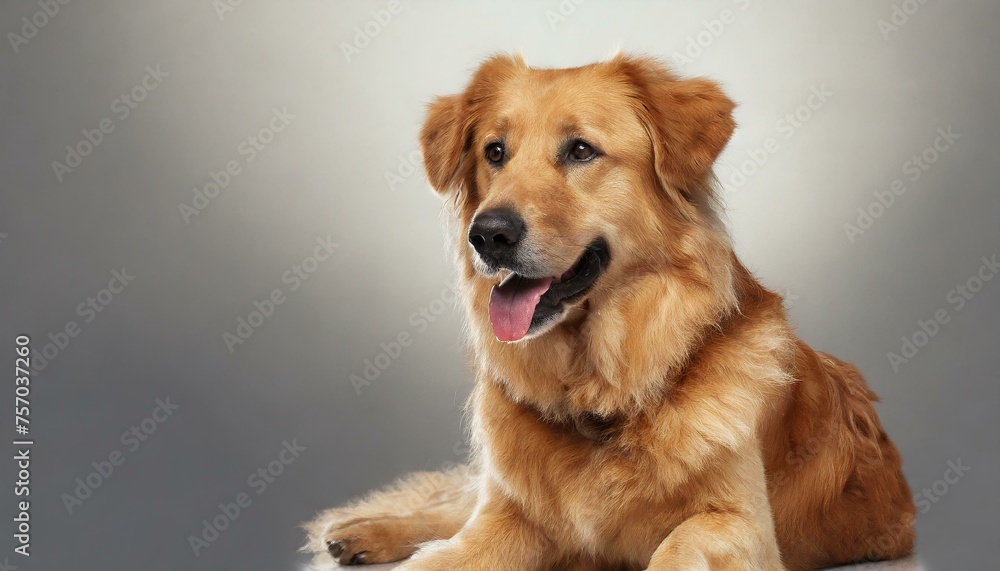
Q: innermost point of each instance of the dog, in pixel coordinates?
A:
(640, 401)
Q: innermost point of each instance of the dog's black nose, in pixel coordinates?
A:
(495, 235)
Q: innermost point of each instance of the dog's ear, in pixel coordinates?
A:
(447, 131)
(689, 122)
(442, 141)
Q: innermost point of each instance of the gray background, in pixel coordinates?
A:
(325, 175)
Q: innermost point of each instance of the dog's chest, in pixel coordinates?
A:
(572, 477)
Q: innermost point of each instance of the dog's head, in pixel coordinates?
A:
(566, 180)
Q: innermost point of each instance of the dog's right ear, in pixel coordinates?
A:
(443, 141)
(446, 137)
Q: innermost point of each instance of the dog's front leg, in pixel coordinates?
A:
(717, 541)
(736, 534)
(498, 536)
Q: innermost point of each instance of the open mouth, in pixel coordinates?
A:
(518, 304)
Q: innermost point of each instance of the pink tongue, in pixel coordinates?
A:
(512, 303)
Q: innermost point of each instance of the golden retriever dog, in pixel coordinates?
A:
(640, 401)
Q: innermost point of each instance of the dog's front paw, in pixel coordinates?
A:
(370, 540)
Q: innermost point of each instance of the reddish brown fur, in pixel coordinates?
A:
(736, 446)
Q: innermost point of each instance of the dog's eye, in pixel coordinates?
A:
(495, 153)
(581, 152)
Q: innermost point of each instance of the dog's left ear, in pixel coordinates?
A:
(442, 141)
(689, 122)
